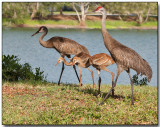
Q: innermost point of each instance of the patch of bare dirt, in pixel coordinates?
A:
(53, 26)
(62, 17)
(10, 91)
(93, 18)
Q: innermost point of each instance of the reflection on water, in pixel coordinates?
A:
(18, 41)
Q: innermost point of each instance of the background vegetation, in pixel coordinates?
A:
(13, 71)
(18, 12)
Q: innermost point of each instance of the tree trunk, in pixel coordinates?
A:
(52, 11)
(15, 14)
(120, 18)
(140, 19)
(84, 8)
(61, 11)
(82, 23)
(37, 6)
(79, 19)
(147, 15)
(33, 12)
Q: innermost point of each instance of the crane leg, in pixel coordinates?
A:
(74, 67)
(99, 81)
(105, 69)
(92, 76)
(80, 75)
(110, 90)
(77, 74)
(131, 86)
(61, 73)
(119, 70)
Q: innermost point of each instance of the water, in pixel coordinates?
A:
(18, 41)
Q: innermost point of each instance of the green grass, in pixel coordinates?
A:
(24, 103)
(50, 22)
(120, 24)
(114, 24)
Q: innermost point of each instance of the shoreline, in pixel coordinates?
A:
(78, 27)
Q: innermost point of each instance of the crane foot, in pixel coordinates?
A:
(132, 103)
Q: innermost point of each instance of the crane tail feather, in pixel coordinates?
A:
(146, 70)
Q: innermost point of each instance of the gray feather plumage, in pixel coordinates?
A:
(130, 59)
(67, 46)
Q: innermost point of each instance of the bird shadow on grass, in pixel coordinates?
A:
(69, 84)
(94, 92)
(65, 84)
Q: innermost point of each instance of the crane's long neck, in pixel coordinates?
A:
(46, 44)
(106, 36)
(103, 27)
(66, 63)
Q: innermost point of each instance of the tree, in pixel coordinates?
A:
(34, 9)
(141, 9)
(84, 9)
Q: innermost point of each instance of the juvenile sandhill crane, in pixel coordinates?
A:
(65, 47)
(125, 58)
(98, 61)
(85, 63)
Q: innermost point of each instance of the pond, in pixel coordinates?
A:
(18, 41)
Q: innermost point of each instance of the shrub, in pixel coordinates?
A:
(141, 82)
(12, 70)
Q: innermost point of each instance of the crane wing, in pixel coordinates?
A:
(128, 58)
(101, 59)
(68, 46)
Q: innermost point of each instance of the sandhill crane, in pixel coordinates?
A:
(65, 47)
(85, 63)
(98, 61)
(125, 58)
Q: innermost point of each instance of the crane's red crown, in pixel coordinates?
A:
(98, 8)
(41, 27)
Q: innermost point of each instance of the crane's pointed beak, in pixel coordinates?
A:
(72, 64)
(35, 33)
(57, 63)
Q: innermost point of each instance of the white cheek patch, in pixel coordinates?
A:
(41, 30)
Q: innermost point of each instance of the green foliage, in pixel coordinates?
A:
(17, 11)
(12, 70)
(141, 82)
(141, 9)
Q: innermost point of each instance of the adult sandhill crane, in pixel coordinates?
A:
(85, 63)
(125, 58)
(65, 47)
(98, 61)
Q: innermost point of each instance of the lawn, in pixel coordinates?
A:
(46, 104)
